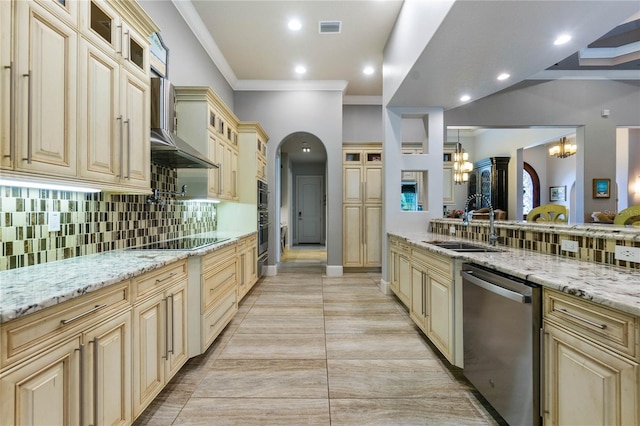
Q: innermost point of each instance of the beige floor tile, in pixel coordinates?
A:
(254, 411)
(275, 346)
(266, 324)
(378, 346)
(313, 310)
(265, 379)
(288, 298)
(388, 379)
(436, 411)
(358, 308)
(344, 324)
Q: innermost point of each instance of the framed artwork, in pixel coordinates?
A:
(557, 193)
(601, 188)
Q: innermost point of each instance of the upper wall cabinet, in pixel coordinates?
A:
(42, 90)
(75, 88)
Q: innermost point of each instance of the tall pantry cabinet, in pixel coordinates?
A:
(362, 205)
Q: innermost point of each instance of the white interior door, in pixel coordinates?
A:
(309, 209)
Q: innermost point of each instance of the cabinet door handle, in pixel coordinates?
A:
(119, 52)
(579, 318)
(171, 275)
(173, 326)
(96, 376)
(12, 113)
(166, 328)
(81, 387)
(84, 314)
(121, 147)
(29, 118)
(128, 57)
(128, 123)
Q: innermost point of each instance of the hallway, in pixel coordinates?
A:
(309, 349)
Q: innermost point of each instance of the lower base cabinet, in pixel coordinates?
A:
(159, 333)
(84, 377)
(44, 390)
(426, 283)
(591, 370)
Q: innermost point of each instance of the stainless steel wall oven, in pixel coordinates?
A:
(263, 226)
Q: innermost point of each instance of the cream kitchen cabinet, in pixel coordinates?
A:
(41, 122)
(362, 206)
(400, 264)
(591, 370)
(213, 285)
(107, 373)
(58, 363)
(432, 302)
(247, 264)
(77, 89)
(114, 98)
(210, 127)
(159, 331)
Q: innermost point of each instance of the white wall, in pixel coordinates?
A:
(361, 123)
(282, 113)
(189, 63)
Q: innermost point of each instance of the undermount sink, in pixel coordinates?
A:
(463, 247)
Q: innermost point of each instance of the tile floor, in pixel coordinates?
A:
(315, 350)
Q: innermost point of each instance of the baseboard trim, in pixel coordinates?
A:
(334, 270)
(271, 270)
(384, 287)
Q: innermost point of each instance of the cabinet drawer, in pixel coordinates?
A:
(217, 282)
(157, 280)
(216, 318)
(35, 332)
(614, 329)
(441, 264)
(217, 257)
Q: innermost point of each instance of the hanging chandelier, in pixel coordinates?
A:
(461, 165)
(563, 149)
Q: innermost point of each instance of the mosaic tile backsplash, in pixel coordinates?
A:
(93, 223)
(595, 243)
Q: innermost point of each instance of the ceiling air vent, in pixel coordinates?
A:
(330, 27)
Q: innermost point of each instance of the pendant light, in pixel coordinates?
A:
(563, 149)
(461, 165)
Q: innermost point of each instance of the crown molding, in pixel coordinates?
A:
(288, 85)
(193, 20)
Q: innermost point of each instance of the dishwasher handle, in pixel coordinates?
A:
(501, 291)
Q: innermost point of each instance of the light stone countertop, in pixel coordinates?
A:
(27, 290)
(607, 285)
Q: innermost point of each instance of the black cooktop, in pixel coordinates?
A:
(185, 243)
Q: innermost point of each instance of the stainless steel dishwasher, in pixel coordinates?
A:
(501, 329)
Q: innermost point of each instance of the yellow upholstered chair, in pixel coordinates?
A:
(628, 217)
(549, 213)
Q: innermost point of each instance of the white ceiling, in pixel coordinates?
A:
(250, 43)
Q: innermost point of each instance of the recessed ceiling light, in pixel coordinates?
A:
(465, 98)
(300, 69)
(368, 70)
(294, 25)
(503, 76)
(562, 39)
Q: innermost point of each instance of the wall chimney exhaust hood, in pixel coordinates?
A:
(167, 149)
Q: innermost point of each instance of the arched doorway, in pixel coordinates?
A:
(530, 189)
(302, 199)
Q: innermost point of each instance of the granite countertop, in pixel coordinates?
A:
(27, 290)
(607, 285)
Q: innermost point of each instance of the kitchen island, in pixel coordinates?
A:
(590, 329)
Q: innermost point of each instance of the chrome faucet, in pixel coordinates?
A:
(465, 216)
